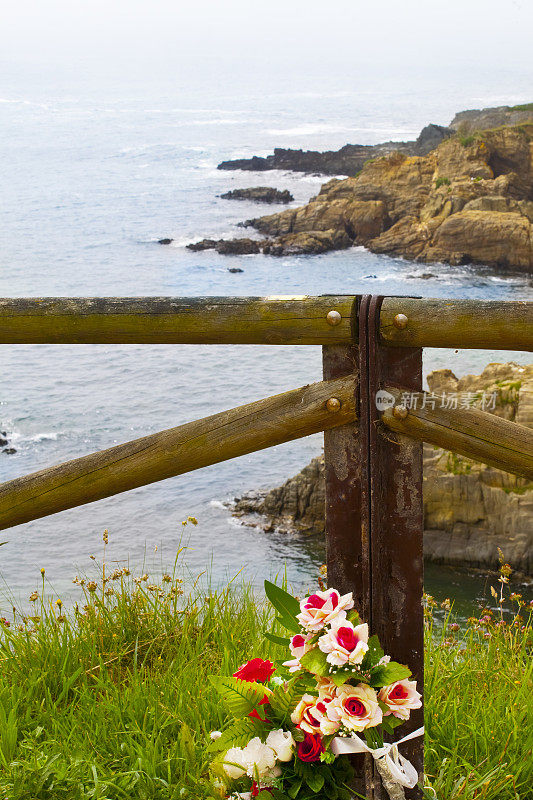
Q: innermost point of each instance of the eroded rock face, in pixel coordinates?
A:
(469, 509)
(468, 201)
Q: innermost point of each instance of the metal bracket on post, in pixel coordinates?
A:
(374, 518)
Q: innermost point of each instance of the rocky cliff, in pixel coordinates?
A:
(470, 200)
(469, 509)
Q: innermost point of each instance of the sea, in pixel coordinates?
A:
(94, 171)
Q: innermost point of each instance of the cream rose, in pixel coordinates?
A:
(311, 715)
(401, 698)
(344, 643)
(319, 609)
(258, 758)
(234, 763)
(355, 707)
(303, 714)
(281, 743)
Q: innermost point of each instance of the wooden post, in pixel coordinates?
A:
(374, 510)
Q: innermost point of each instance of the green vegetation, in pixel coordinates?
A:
(523, 107)
(466, 141)
(442, 182)
(112, 700)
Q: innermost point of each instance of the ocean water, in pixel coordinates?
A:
(93, 173)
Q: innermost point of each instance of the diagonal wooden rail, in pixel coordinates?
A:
(327, 319)
(256, 426)
(175, 451)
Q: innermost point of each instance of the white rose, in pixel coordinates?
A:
(258, 756)
(234, 764)
(215, 735)
(282, 743)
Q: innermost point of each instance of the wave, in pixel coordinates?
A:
(311, 129)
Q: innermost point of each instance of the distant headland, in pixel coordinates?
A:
(458, 194)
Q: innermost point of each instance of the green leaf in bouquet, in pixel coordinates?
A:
(289, 623)
(295, 788)
(373, 654)
(327, 757)
(353, 617)
(390, 722)
(238, 734)
(342, 676)
(282, 702)
(276, 639)
(264, 795)
(315, 780)
(389, 673)
(277, 794)
(315, 661)
(240, 697)
(285, 603)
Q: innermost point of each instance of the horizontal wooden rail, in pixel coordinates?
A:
(472, 433)
(222, 436)
(264, 320)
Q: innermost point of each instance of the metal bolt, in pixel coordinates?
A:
(333, 405)
(333, 318)
(400, 320)
(400, 412)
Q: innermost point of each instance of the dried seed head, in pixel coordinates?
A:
(34, 596)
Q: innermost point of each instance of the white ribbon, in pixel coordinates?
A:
(398, 768)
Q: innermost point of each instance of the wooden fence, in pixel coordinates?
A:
(372, 348)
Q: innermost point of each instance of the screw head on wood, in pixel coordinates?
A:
(400, 412)
(400, 321)
(333, 404)
(333, 318)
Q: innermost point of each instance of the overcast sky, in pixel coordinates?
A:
(441, 33)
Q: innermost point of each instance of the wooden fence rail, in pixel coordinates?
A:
(256, 426)
(329, 319)
(228, 434)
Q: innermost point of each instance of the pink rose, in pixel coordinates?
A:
(298, 645)
(401, 698)
(344, 643)
(319, 609)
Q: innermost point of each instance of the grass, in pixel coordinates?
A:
(112, 700)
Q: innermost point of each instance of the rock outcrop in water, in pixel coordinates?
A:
(468, 201)
(469, 509)
(260, 194)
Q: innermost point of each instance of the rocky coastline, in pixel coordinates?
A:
(351, 158)
(469, 509)
(458, 195)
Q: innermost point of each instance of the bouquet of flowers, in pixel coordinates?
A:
(294, 724)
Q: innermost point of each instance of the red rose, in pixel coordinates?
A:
(254, 714)
(310, 748)
(255, 670)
